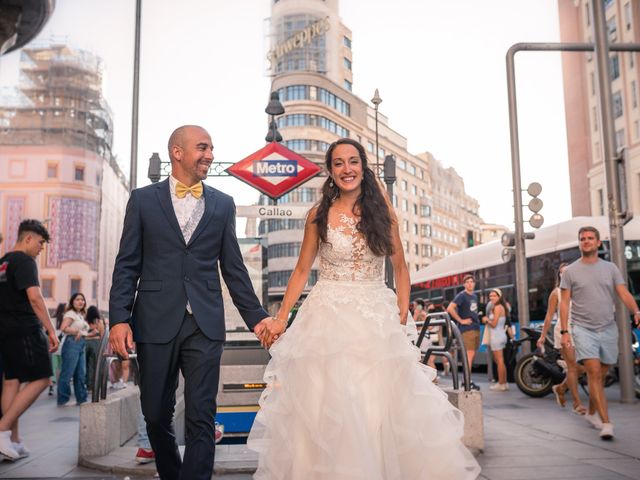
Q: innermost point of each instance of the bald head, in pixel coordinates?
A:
(179, 136)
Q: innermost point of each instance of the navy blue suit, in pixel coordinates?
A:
(155, 273)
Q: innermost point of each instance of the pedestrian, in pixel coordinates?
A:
(590, 284)
(464, 310)
(178, 235)
(496, 322)
(92, 343)
(574, 370)
(23, 346)
(347, 396)
(74, 365)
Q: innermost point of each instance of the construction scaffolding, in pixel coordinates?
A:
(59, 102)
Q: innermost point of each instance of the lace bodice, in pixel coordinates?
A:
(346, 256)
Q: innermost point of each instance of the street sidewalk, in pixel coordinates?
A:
(525, 438)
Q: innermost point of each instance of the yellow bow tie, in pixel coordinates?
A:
(194, 190)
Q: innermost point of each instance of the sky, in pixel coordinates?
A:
(439, 66)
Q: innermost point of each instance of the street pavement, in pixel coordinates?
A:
(525, 438)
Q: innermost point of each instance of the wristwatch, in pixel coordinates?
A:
(562, 332)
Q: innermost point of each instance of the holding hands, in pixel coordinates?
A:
(269, 330)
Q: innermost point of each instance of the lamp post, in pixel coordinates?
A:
(376, 100)
(274, 107)
(389, 180)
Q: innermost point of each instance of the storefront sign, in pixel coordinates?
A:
(299, 39)
(272, 211)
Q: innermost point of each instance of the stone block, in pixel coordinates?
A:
(470, 404)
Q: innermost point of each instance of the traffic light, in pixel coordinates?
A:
(470, 238)
(535, 204)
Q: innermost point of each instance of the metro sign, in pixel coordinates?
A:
(274, 170)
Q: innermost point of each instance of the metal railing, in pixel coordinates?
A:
(103, 365)
(452, 347)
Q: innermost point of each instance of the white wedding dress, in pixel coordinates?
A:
(346, 396)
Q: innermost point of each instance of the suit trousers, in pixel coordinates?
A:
(198, 358)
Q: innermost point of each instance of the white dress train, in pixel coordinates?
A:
(346, 396)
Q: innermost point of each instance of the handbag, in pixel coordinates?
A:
(486, 336)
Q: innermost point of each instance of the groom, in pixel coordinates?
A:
(166, 296)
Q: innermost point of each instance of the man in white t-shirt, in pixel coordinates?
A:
(590, 284)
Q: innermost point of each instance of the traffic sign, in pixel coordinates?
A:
(274, 170)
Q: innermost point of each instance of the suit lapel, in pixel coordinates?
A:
(164, 198)
(209, 208)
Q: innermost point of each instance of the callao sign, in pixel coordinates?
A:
(274, 170)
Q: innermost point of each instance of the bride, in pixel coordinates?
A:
(347, 397)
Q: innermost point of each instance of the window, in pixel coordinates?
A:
(614, 66)
(74, 285)
(425, 230)
(414, 190)
(631, 59)
(348, 85)
(405, 226)
(415, 229)
(370, 147)
(52, 170)
(594, 113)
(620, 138)
(425, 210)
(79, 174)
(395, 200)
(347, 64)
(587, 14)
(307, 92)
(406, 246)
(612, 27)
(281, 278)
(412, 169)
(305, 119)
(636, 129)
(402, 164)
(404, 185)
(346, 41)
(600, 201)
(416, 250)
(593, 83)
(634, 94)
(627, 15)
(279, 250)
(98, 179)
(617, 105)
(47, 287)
(405, 205)
(415, 208)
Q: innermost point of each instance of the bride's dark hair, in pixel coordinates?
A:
(371, 206)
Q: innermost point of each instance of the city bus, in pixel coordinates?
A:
(442, 280)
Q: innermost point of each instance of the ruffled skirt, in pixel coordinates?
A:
(348, 399)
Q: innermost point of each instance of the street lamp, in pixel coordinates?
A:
(389, 180)
(376, 100)
(274, 107)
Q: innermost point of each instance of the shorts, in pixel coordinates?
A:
(26, 357)
(471, 339)
(557, 337)
(596, 344)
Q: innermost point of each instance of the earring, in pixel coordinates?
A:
(331, 183)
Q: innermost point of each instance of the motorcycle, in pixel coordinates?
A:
(537, 372)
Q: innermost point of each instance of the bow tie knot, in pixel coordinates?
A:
(194, 190)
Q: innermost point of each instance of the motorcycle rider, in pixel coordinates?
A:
(589, 284)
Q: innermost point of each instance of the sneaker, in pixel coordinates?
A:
(594, 420)
(473, 386)
(218, 432)
(6, 446)
(119, 385)
(607, 431)
(68, 403)
(51, 390)
(496, 387)
(22, 450)
(145, 455)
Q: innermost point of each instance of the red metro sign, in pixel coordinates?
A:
(274, 170)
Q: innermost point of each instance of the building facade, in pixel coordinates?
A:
(586, 168)
(311, 64)
(56, 165)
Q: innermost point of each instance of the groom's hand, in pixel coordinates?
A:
(269, 330)
(121, 339)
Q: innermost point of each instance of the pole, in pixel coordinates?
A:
(616, 236)
(522, 285)
(133, 174)
(389, 180)
(376, 100)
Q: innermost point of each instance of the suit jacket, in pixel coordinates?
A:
(156, 271)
